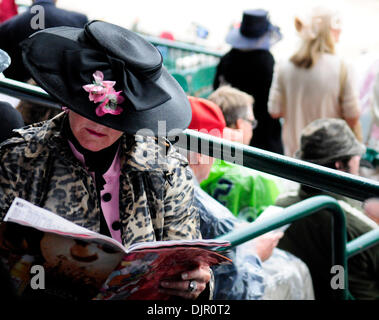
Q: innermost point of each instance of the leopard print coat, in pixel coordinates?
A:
(156, 188)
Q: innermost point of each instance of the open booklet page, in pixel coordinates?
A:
(82, 264)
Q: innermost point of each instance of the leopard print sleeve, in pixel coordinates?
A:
(10, 184)
(181, 216)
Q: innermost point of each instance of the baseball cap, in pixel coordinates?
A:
(207, 117)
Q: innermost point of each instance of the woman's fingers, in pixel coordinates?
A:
(183, 285)
(201, 276)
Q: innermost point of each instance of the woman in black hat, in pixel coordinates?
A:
(249, 67)
(101, 163)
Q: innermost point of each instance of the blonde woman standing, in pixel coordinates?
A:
(314, 83)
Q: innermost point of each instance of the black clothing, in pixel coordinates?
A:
(251, 72)
(19, 27)
(310, 239)
(10, 119)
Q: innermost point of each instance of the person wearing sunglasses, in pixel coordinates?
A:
(245, 192)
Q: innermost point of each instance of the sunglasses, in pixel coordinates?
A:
(254, 123)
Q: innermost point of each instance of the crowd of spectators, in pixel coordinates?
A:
(306, 107)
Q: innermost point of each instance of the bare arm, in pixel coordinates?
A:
(352, 121)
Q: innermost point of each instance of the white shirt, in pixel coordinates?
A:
(304, 95)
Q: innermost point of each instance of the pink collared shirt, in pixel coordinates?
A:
(110, 208)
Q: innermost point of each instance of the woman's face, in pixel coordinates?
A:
(91, 135)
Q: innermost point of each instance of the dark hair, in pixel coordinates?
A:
(33, 113)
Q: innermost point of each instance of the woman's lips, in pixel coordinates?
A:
(95, 133)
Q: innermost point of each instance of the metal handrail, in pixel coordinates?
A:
(362, 243)
(307, 173)
(28, 92)
(182, 46)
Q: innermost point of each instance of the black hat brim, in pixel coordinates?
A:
(173, 114)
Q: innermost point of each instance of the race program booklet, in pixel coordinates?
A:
(81, 264)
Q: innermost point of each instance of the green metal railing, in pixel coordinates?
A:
(372, 156)
(28, 92)
(310, 174)
(295, 212)
(182, 46)
(296, 170)
(362, 243)
(193, 66)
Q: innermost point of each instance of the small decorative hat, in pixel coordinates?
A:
(255, 31)
(109, 75)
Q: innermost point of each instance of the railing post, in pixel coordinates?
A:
(362, 243)
(297, 211)
(323, 178)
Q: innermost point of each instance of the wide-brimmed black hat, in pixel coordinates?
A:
(112, 66)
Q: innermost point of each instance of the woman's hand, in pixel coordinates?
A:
(265, 244)
(192, 284)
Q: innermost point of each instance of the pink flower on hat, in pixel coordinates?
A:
(102, 91)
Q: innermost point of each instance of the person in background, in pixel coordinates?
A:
(331, 143)
(33, 113)
(259, 270)
(8, 9)
(244, 191)
(314, 83)
(103, 163)
(20, 27)
(249, 66)
(10, 118)
(374, 108)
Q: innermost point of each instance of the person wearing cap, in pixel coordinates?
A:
(373, 137)
(104, 163)
(331, 143)
(42, 14)
(259, 270)
(249, 66)
(10, 117)
(244, 191)
(315, 82)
